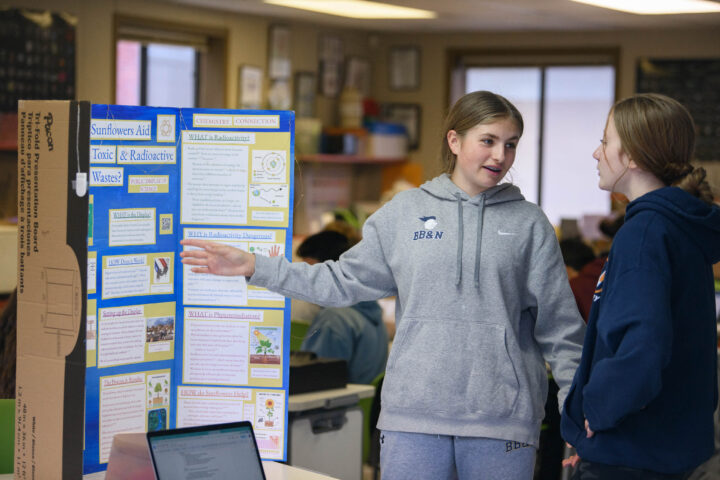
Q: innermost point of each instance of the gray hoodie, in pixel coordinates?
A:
(483, 301)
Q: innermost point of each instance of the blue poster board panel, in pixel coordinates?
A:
(167, 347)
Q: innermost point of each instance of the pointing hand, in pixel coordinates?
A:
(217, 258)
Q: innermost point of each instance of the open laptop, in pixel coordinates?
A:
(223, 451)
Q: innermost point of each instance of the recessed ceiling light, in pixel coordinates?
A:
(355, 8)
(656, 7)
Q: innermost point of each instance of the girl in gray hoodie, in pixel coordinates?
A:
(483, 302)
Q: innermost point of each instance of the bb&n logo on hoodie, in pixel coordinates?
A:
(429, 223)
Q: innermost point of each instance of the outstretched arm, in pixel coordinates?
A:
(217, 258)
(559, 329)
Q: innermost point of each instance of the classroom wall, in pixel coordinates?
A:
(247, 43)
(433, 83)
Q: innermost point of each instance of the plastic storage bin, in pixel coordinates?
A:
(387, 140)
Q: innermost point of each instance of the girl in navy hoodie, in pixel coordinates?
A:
(642, 401)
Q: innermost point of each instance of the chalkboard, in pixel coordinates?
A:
(37, 57)
(695, 84)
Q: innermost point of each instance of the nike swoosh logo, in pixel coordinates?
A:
(500, 232)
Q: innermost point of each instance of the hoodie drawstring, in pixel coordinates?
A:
(478, 240)
(458, 270)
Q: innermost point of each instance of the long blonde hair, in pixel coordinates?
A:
(658, 133)
(475, 108)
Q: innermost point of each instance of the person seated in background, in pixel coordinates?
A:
(576, 254)
(584, 283)
(304, 312)
(580, 263)
(357, 333)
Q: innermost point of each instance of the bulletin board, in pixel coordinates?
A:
(695, 84)
(37, 56)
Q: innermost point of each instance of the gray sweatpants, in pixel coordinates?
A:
(419, 456)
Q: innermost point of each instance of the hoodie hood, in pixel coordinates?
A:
(699, 219)
(444, 188)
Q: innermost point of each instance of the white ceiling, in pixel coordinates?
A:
(480, 15)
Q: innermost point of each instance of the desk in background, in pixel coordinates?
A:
(273, 471)
(325, 430)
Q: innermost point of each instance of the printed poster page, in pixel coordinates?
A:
(137, 274)
(233, 347)
(236, 168)
(264, 408)
(134, 402)
(91, 334)
(136, 334)
(206, 289)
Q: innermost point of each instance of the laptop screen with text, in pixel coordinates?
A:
(225, 451)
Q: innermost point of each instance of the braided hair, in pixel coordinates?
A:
(658, 133)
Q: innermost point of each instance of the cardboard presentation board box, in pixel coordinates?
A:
(52, 233)
(113, 335)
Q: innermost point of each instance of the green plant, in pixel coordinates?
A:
(264, 347)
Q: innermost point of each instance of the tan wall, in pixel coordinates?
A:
(433, 90)
(247, 43)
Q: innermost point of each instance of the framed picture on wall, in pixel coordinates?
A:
(331, 48)
(404, 68)
(407, 114)
(357, 75)
(250, 82)
(279, 95)
(330, 78)
(331, 59)
(305, 94)
(279, 51)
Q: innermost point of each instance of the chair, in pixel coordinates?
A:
(368, 405)
(374, 456)
(297, 334)
(7, 435)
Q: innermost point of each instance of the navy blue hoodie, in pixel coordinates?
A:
(647, 381)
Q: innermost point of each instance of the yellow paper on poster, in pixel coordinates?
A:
(246, 344)
(135, 334)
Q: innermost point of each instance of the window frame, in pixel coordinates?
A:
(210, 44)
(460, 60)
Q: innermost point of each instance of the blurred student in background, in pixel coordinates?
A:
(357, 333)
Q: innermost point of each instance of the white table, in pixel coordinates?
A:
(273, 471)
(336, 397)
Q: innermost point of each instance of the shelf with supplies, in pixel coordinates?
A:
(349, 159)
